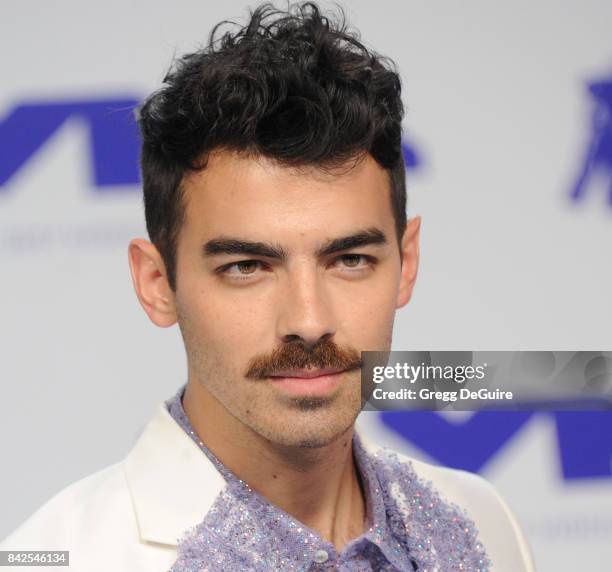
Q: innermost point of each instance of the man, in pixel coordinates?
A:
(275, 203)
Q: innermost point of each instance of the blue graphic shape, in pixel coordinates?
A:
(585, 443)
(584, 438)
(467, 445)
(411, 158)
(599, 152)
(114, 141)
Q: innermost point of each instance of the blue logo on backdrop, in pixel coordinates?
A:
(113, 137)
(584, 438)
(598, 156)
(114, 142)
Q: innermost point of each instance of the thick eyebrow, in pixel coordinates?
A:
(228, 245)
(224, 245)
(365, 237)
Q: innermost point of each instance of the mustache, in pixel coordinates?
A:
(297, 355)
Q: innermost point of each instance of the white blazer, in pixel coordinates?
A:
(129, 516)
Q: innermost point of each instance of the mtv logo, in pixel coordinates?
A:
(113, 136)
(598, 155)
(584, 438)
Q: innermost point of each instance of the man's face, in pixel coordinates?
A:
(281, 274)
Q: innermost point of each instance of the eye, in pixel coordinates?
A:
(356, 261)
(241, 269)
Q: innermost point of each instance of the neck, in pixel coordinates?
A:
(320, 487)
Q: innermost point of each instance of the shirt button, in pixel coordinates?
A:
(321, 556)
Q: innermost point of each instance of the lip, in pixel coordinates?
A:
(308, 382)
(307, 373)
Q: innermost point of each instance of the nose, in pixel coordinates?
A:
(305, 312)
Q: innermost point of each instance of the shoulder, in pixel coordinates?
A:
(84, 504)
(474, 497)
(93, 519)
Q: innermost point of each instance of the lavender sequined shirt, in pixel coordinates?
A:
(409, 526)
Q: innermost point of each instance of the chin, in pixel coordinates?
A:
(306, 441)
(311, 433)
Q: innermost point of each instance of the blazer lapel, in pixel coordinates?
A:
(171, 482)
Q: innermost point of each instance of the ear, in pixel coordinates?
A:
(151, 282)
(410, 261)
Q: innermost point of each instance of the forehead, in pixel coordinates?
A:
(255, 197)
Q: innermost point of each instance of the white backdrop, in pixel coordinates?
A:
(500, 115)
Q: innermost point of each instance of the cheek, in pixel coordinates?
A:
(229, 326)
(368, 312)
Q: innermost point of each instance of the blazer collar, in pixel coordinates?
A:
(171, 482)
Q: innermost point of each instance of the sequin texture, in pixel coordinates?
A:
(409, 526)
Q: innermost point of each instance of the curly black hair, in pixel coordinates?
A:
(295, 86)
